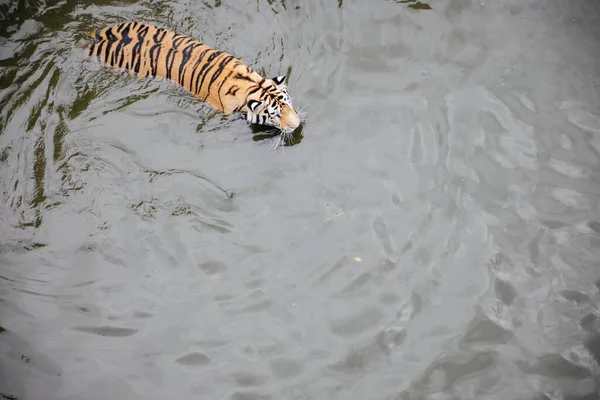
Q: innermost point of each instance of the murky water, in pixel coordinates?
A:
(433, 234)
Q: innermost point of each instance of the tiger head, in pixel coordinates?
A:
(272, 106)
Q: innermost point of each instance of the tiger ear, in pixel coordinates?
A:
(252, 104)
(279, 80)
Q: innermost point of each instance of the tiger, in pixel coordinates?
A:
(213, 76)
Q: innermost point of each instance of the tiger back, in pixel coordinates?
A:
(211, 75)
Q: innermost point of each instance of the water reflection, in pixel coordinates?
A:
(417, 5)
(431, 232)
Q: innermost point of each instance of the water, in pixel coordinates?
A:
(434, 233)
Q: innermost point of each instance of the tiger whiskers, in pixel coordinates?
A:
(302, 109)
(281, 139)
(288, 137)
(278, 142)
(302, 114)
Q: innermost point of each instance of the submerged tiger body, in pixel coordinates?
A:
(211, 75)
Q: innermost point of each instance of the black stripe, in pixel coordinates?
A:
(208, 66)
(187, 40)
(154, 52)
(99, 51)
(110, 39)
(153, 55)
(92, 48)
(178, 41)
(194, 75)
(232, 90)
(137, 48)
(243, 77)
(256, 89)
(220, 87)
(219, 71)
(124, 42)
(205, 68)
(115, 52)
(170, 56)
(186, 54)
(170, 59)
(167, 66)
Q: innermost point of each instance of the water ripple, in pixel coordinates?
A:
(435, 234)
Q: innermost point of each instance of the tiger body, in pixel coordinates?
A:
(211, 75)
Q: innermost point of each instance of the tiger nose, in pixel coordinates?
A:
(291, 120)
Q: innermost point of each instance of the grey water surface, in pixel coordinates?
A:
(432, 233)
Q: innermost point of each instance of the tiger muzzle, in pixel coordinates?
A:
(289, 119)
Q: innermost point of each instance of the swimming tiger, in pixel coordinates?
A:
(211, 75)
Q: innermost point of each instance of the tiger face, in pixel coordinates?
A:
(272, 106)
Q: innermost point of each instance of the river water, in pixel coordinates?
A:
(432, 233)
